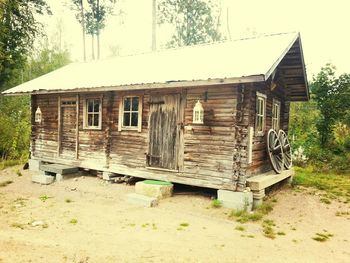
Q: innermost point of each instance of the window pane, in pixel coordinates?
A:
(96, 119)
(90, 119)
(90, 104)
(96, 105)
(135, 103)
(134, 119)
(127, 104)
(126, 119)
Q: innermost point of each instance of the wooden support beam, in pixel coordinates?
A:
(77, 128)
(59, 129)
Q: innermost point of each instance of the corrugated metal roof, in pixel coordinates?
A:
(238, 60)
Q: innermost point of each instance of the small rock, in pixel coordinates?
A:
(38, 223)
(75, 179)
(73, 189)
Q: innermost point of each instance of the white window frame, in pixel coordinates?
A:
(260, 97)
(85, 115)
(121, 127)
(275, 123)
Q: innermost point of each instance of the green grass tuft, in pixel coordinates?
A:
(44, 198)
(5, 183)
(18, 172)
(240, 228)
(216, 203)
(322, 237)
(8, 163)
(184, 224)
(73, 221)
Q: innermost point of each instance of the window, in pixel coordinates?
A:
(260, 113)
(92, 114)
(276, 110)
(130, 111)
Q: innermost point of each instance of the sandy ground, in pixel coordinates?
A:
(109, 229)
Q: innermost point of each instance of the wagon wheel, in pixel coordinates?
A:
(274, 149)
(287, 150)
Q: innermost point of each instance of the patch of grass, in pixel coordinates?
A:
(17, 225)
(5, 183)
(215, 203)
(244, 216)
(269, 222)
(268, 230)
(240, 228)
(281, 233)
(334, 185)
(184, 224)
(154, 226)
(68, 200)
(73, 221)
(44, 198)
(145, 225)
(18, 172)
(325, 200)
(266, 207)
(342, 213)
(251, 236)
(8, 163)
(322, 237)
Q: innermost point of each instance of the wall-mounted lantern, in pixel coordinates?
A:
(198, 113)
(38, 115)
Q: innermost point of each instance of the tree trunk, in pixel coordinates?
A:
(93, 46)
(154, 24)
(98, 29)
(83, 25)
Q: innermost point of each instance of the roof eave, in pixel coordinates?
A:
(168, 84)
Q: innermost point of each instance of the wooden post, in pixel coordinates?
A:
(59, 126)
(77, 129)
(108, 127)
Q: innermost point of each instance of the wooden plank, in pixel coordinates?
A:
(59, 126)
(77, 128)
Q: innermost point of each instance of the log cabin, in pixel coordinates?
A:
(196, 115)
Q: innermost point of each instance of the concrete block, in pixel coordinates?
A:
(42, 179)
(107, 176)
(236, 200)
(142, 200)
(34, 165)
(156, 189)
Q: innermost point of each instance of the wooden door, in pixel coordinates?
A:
(68, 128)
(164, 130)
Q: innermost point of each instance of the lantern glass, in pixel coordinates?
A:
(38, 115)
(198, 113)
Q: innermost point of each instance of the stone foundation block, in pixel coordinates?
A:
(155, 189)
(41, 178)
(107, 176)
(34, 165)
(142, 200)
(236, 200)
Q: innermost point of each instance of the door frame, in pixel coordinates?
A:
(61, 104)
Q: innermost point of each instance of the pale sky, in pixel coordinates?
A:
(324, 26)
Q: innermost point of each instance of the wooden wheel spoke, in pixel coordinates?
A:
(287, 151)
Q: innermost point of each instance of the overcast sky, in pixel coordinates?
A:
(324, 26)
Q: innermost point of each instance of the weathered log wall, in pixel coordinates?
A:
(212, 155)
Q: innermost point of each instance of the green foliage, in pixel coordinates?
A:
(333, 184)
(15, 115)
(194, 21)
(216, 203)
(8, 163)
(18, 30)
(321, 126)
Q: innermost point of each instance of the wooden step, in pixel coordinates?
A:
(262, 181)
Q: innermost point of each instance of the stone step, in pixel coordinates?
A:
(142, 200)
(58, 168)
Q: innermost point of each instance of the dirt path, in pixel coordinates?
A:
(94, 223)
